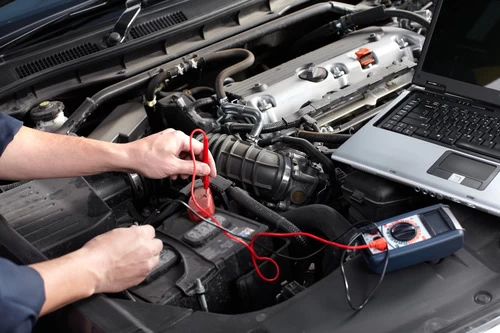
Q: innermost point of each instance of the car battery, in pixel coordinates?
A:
(374, 198)
(197, 259)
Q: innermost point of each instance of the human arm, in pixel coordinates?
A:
(36, 154)
(111, 262)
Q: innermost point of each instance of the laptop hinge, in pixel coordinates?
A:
(435, 87)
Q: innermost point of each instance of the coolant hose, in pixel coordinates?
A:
(247, 60)
(77, 118)
(16, 244)
(192, 110)
(268, 216)
(157, 80)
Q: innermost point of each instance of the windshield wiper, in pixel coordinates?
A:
(64, 15)
(122, 27)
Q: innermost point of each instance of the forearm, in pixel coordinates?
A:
(66, 279)
(36, 154)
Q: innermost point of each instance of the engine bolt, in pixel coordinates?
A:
(263, 105)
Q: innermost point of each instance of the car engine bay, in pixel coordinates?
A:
(275, 101)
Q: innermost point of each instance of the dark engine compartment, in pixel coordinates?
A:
(276, 101)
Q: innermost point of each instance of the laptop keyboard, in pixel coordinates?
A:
(449, 123)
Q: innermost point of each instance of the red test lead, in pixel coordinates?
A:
(201, 200)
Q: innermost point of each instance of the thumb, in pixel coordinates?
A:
(186, 167)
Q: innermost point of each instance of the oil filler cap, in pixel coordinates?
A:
(313, 74)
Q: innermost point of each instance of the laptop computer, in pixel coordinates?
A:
(442, 135)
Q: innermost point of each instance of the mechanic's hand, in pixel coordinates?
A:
(166, 154)
(123, 257)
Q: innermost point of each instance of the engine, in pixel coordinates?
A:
(366, 66)
(274, 112)
(320, 92)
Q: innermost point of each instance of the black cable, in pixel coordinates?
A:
(346, 284)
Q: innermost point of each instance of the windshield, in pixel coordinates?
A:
(20, 13)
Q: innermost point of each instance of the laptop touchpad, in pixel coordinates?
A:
(464, 170)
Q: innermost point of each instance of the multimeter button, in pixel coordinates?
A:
(404, 231)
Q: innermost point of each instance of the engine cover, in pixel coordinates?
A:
(372, 52)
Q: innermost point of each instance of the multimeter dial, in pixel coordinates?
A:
(404, 231)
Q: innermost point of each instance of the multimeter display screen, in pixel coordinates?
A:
(436, 222)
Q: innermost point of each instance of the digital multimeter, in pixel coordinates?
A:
(426, 234)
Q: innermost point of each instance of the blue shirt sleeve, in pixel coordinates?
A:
(22, 295)
(8, 128)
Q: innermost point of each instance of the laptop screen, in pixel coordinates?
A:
(465, 43)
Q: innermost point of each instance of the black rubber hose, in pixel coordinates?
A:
(194, 107)
(369, 16)
(269, 217)
(399, 13)
(323, 137)
(16, 244)
(92, 103)
(157, 80)
(201, 89)
(165, 213)
(247, 60)
(318, 218)
(304, 144)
